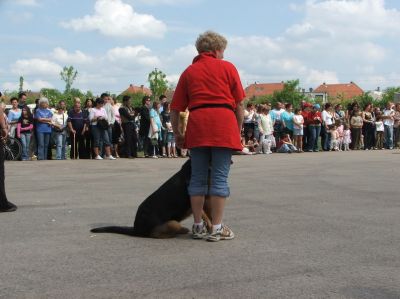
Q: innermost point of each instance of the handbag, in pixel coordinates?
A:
(102, 124)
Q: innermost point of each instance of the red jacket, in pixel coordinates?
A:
(210, 81)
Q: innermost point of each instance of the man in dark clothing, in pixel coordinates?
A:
(77, 125)
(145, 125)
(21, 100)
(127, 114)
(5, 205)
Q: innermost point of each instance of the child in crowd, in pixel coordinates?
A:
(346, 137)
(334, 138)
(171, 147)
(267, 139)
(285, 145)
(249, 142)
(340, 130)
(379, 132)
(298, 122)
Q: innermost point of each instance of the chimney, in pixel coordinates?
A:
(142, 87)
(351, 82)
(378, 89)
(130, 85)
(311, 89)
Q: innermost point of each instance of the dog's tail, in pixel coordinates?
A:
(123, 230)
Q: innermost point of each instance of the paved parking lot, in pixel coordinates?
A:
(312, 225)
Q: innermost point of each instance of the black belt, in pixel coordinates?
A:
(227, 106)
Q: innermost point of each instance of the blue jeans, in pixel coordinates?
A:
(26, 141)
(313, 132)
(43, 144)
(219, 160)
(388, 139)
(60, 139)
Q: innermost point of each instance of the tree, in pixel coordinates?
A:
(53, 95)
(68, 75)
(290, 94)
(388, 95)
(136, 98)
(158, 83)
(21, 84)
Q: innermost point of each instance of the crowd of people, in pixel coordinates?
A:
(104, 129)
(96, 129)
(308, 129)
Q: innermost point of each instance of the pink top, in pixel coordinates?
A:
(25, 129)
(116, 113)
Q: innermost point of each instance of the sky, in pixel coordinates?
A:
(114, 43)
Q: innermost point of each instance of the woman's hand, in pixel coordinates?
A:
(179, 140)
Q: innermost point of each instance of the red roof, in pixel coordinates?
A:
(137, 89)
(262, 89)
(347, 90)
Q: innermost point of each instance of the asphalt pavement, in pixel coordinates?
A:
(311, 225)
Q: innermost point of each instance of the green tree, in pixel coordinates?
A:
(53, 95)
(290, 94)
(388, 95)
(158, 83)
(21, 84)
(68, 75)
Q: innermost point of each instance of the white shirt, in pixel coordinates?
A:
(60, 119)
(266, 124)
(299, 119)
(388, 112)
(379, 126)
(327, 118)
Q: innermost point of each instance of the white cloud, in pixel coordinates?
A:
(27, 2)
(118, 19)
(133, 55)
(316, 77)
(35, 66)
(169, 2)
(77, 57)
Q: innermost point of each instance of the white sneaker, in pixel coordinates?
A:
(111, 158)
(98, 158)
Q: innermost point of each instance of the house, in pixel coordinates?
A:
(137, 89)
(262, 89)
(342, 91)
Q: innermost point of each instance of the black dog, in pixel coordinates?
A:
(160, 214)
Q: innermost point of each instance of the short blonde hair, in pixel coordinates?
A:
(210, 41)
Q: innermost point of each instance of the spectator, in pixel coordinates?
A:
(128, 114)
(388, 122)
(285, 145)
(314, 128)
(266, 125)
(368, 129)
(307, 107)
(13, 116)
(5, 205)
(77, 124)
(99, 128)
(287, 119)
(116, 128)
(276, 118)
(43, 116)
(327, 120)
(22, 100)
(162, 99)
(356, 123)
(88, 134)
(59, 122)
(248, 122)
(145, 125)
(396, 125)
(298, 122)
(380, 129)
(346, 137)
(155, 130)
(24, 131)
(110, 117)
(166, 119)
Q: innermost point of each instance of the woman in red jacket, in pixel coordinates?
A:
(212, 91)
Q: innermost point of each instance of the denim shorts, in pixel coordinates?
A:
(218, 160)
(298, 132)
(100, 135)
